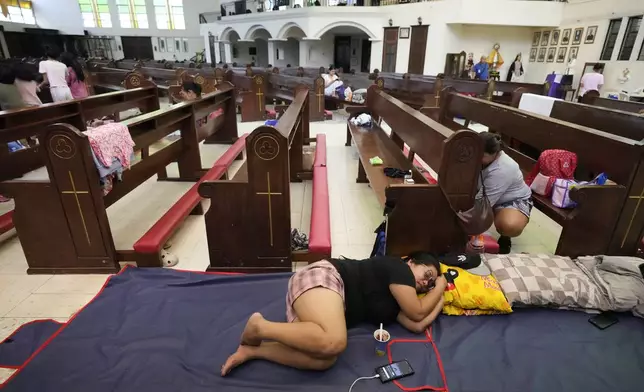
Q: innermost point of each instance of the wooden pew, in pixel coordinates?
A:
(606, 219)
(281, 87)
(254, 205)
(77, 237)
(31, 122)
(627, 106)
(421, 215)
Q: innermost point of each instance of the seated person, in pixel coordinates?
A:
(330, 296)
(507, 192)
(331, 82)
(190, 91)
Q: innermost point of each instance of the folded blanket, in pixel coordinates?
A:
(619, 279)
(111, 141)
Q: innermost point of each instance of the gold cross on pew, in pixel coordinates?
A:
(80, 210)
(259, 100)
(270, 205)
(320, 100)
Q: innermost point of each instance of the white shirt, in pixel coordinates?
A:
(56, 72)
(591, 81)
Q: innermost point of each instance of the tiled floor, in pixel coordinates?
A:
(355, 213)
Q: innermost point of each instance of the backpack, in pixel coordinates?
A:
(553, 164)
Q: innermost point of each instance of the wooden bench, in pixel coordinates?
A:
(598, 224)
(626, 106)
(419, 216)
(254, 206)
(30, 122)
(77, 237)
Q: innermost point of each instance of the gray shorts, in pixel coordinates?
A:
(523, 205)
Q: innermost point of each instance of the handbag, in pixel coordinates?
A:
(480, 217)
(561, 193)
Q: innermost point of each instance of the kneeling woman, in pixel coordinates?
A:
(506, 191)
(329, 297)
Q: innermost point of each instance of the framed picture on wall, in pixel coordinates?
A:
(561, 55)
(403, 33)
(576, 38)
(542, 55)
(545, 37)
(536, 37)
(533, 55)
(555, 38)
(565, 38)
(551, 55)
(169, 43)
(574, 51)
(591, 32)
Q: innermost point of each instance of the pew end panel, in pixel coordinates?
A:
(62, 221)
(421, 219)
(595, 218)
(460, 169)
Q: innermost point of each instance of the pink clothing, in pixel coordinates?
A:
(591, 81)
(78, 88)
(111, 141)
(28, 91)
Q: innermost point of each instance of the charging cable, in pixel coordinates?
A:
(361, 378)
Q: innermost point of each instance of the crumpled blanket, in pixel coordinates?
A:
(111, 141)
(619, 279)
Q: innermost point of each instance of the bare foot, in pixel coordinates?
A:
(243, 354)
(250, 336)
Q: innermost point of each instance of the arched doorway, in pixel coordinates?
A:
(257, 39)
(344, 45)
(289, 46)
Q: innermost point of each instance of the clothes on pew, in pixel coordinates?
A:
(15, 146)
(330, 89)
(375, 161)
(362, 120)
(111, 141)
(394, 172)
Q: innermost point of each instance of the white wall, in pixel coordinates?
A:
(321, 52)
(598, 13)
(243, 57)
(289, 51)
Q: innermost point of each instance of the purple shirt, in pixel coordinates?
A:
(78, 88)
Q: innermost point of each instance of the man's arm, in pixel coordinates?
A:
(421, 326)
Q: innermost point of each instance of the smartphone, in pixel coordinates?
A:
(603, 320)
(394, 371)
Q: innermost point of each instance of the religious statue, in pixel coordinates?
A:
(626, 76)
(515, 74)
(571, 65)
(469, 65)
(495, 60)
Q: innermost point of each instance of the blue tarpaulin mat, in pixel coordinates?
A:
(156, 330)
(23, 342)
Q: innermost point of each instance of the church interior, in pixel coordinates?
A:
(240, 195)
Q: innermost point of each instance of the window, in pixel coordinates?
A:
(96, 13)
(611, 38)
(132, 14)
(19, 12)
(169, 14)
(641, 56)
(632, 28)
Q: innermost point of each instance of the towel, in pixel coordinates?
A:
(111, 141)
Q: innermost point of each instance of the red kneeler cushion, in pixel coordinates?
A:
(490, 244)
(320, 235)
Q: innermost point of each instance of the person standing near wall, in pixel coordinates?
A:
(481, 69)
(591, 81)
(55, 74)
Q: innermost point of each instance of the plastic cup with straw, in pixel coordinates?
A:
(381, 336)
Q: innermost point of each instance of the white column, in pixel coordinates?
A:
(304, 52)
(376, 55)
(228, 52)
(209, 56)
(216, 55)
(271, 53)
